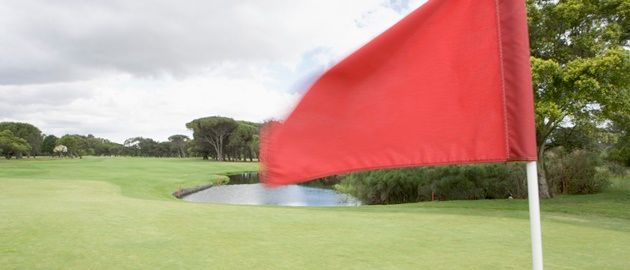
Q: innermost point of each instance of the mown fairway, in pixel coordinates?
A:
(117, 213)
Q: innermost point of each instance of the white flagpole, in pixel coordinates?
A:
(534, 215)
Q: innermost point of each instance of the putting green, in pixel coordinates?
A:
(101, 213)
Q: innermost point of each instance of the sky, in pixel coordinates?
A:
(119, 69)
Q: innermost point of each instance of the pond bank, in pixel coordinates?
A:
(183, 192)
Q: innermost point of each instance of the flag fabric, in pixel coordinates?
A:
(448, 84)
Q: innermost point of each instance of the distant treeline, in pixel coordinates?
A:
(219, 138)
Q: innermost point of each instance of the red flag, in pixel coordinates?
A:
(449, 84)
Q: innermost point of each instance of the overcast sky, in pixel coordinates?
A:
(120, 68)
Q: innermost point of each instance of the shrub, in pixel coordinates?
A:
(577, 172)
(617, 169)
(490, 181)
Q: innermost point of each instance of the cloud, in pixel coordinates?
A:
(74, 40)
(123, 106)
(118, 68)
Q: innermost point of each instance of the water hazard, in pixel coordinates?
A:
(246, 189)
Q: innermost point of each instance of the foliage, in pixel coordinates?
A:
(11, 145)
(580, 65)
(100, 147)
(242, 141)
(146, 147)
(440, 183)
(76, 144)
(620, 150)
(28, 132)
(617, 170)
(80, 145)
(576, 172)
(48, 145)
(179, 143)
(569, 172)
(60, 150)
(584, 136)
(211, 134)
(224, 138)
(139, 146)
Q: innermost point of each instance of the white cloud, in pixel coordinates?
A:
(120, 68)
(124, 106)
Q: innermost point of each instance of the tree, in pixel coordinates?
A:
(139, 146)
(112, 149)
(11, 145)
(241, 139)
(584, 136)
(102, 147)
(28, 132)
(579, 64)
(254, 146)
(60, 150)
(179, 143)
(131, 147)
(620, 150)
(49, 143)
(77, 145)
(212, 133)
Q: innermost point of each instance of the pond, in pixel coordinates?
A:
(246, 189)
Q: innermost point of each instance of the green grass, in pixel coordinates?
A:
(146, 178)
(116, 213)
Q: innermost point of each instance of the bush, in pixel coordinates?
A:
(577, 172)
(617, 169)
(468, 182)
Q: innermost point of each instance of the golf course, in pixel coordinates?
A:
(118, 213)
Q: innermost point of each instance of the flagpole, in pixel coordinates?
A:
(534, 215)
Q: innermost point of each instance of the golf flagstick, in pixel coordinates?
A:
(534, 215)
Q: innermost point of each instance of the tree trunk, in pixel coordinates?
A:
(219, 151)
(543, 186)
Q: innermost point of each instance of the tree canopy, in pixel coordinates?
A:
(49, 143)
(211, 134)
(11, 145)
(179, 143)
(580, 64)
(28, 132)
